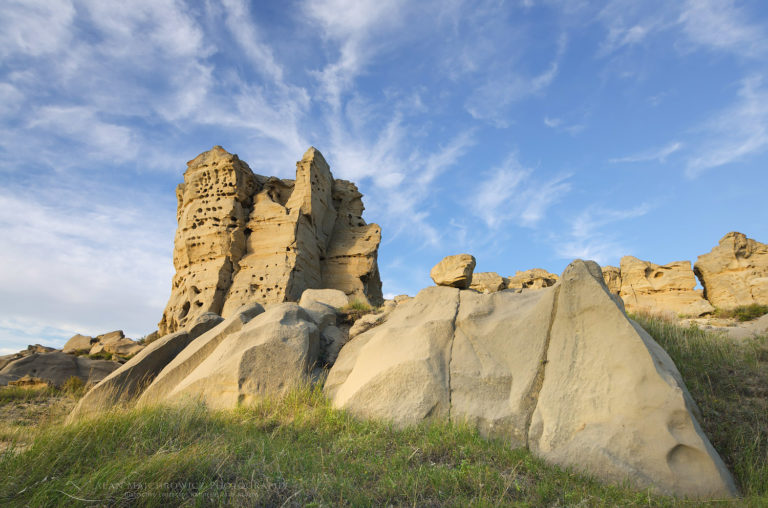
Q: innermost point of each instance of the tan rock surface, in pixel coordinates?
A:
(487, 282)
(454, 271)
(561, 369)
(332, 297)
(126, 383)
(649, 287)
(247, 238)
(535, 278)
(272, 352)
(399, 371)
(612, 279)
(78, 343)
(735, 272)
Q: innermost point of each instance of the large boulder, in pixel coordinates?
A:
(56, 368)
(78, 343)
(535, 278)
(333, 297)
(125, 384)
(649, 287)
(454, 271)
(242, 360)
(561, 370)
(735, 273)
(248, 238)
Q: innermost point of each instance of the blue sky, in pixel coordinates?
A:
(527, 133)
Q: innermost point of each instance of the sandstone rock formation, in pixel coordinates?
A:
(735, 272)
(247, 238)
(55, 367)
(454, 271)
(487, 282)
(612, 278)
(78, 344)
(535, 278)
(561, 370)
(648, 287)
(128, 381)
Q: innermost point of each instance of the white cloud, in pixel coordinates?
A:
(736, 133)
(659, 154)
(35, 27)
(510, 192)
(722, 25)
(587, 240)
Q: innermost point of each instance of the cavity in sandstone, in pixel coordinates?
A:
(649, 287)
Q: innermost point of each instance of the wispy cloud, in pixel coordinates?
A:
(512, 192)
(587, 238)
(736, 133)
(490, 101)
(659, 154)
(724, 26)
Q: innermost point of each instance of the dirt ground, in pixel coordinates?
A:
(17, 417)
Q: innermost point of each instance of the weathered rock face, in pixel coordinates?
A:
(246, 238)
(487, 282)
(735, 272)
(535, 278)
(454, 271)
(612, 278)
(646, 286)
(560, 370)
(56, 367)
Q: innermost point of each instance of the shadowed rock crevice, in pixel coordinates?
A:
(532, 398)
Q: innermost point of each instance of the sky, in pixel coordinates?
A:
(527, 133)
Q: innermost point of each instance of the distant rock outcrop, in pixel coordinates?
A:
(649, 287)
(53, 366)
(535, 278)
(487, 282)
(248, 238)
(735, 272)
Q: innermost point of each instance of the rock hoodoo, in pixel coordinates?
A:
(561, 370)
(735, 272)
(648, 287)
(246, 238)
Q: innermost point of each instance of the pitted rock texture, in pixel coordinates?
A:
(735, 272)
(246, 238)
(561, 370)
(535, 278)
(649, 287)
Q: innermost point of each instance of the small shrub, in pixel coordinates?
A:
(354, 310)
(102, 355)
(743, 312)
(74, 386)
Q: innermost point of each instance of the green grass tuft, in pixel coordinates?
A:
(743, 312)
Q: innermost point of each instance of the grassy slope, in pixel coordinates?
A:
(302, 451)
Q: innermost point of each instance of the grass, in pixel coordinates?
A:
(298, 450)
(354, 310)
(743, 313)
(729, 381)
(73, 387)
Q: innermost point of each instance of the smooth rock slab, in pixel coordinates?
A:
(561, 369)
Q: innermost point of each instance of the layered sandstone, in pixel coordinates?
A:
(735, 272)
(649, 287)
(612, 278)
(246, 238)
